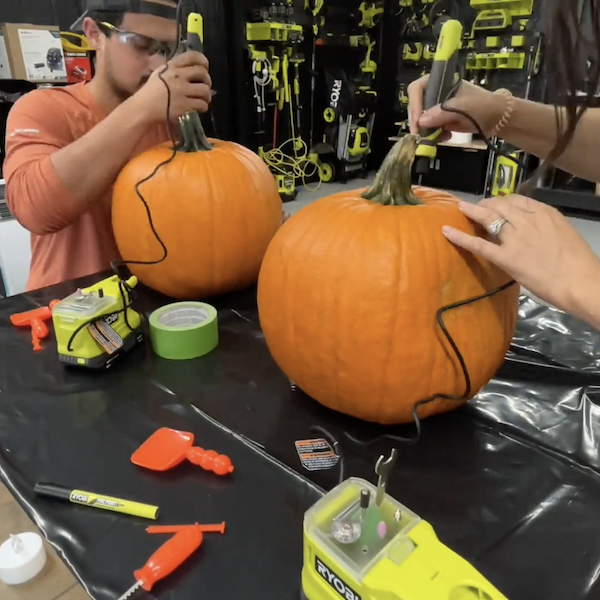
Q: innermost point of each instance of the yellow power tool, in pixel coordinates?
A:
(441, 85)
(362, 544)
(95, 325)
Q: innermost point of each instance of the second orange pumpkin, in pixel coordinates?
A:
(348, 295)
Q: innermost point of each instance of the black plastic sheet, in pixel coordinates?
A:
(510, 481)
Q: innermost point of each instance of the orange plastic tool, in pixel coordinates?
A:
(36, 319)
(166, 448)
(173, 553)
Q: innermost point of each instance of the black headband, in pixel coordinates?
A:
(127, 6)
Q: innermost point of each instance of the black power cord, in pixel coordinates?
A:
(115, 264)
(468, 388)
(124, 289)
(495, 149)
(440, 314)
(335, 444)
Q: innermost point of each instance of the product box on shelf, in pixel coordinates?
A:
(34, 53)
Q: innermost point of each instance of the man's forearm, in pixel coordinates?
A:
(90, 165)
(533, 128)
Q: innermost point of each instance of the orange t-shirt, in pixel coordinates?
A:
(66, 241)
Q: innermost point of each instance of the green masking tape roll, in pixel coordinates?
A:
(184, 330)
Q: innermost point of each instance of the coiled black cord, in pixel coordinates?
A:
(124, 289)
(468, 388)
(116, 264)
(496, 149)
(335, 445)
(440, 319)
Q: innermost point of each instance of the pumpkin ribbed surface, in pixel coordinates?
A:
(348, 295)
(216, 212)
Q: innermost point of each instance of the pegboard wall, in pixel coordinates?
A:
(405, 45)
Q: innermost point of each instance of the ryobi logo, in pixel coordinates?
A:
(343, 589)
(336, 92)
(79, 498)
(111, 319)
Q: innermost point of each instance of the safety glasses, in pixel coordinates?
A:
(141, 43)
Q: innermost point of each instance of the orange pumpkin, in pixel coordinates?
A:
(215, 206)
(348, 294)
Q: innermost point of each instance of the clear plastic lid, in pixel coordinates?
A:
(80, 305)
(358, 539)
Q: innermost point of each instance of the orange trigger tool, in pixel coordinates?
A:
(172, 554)
(36, 320)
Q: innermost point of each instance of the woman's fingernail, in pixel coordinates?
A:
(446, 229)
(462, 205)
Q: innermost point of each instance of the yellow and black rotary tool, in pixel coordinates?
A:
(442, 84)
(195, 32)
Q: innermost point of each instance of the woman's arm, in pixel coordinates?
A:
(585, 301)
(531, 126)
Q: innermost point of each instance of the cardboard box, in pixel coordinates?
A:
(35, 52)
(5, 72)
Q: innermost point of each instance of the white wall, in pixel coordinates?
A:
(15, 253)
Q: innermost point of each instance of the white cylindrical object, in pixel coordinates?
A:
(461, 138)
(22, 557)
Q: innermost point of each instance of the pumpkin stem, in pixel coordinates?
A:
(193, 138)
(392, 185)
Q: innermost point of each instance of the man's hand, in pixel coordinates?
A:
(189, 85)
(538, 247)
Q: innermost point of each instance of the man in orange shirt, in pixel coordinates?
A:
(66, 146)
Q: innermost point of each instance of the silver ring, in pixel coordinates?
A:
(496, 227)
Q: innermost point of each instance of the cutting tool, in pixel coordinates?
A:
(442, 84)
(383, 468)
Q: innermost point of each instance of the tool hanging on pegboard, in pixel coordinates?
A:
(419, 24)
(273, 41)
(346, 48)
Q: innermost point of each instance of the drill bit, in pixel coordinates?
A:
(365, 496)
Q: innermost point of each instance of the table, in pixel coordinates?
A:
(510, 481)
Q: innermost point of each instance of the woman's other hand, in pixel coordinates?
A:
(538, 247)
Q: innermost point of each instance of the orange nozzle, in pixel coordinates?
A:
(220, 528)
(36, 319)
(27, 318)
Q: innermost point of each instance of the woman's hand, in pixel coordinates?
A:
(485, 107)
(537, 247)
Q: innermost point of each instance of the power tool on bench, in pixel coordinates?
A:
(443, 82)
(362, 544)
(96, 325)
